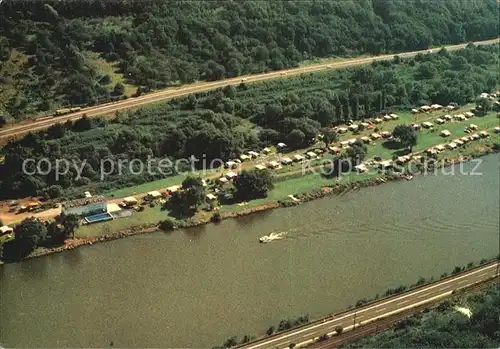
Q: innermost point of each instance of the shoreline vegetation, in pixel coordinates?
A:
(288, 324)
(469, 319)
(327, 190)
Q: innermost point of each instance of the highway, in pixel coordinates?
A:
(404, 302)
(111, 108)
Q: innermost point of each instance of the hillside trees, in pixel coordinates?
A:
(156, 44)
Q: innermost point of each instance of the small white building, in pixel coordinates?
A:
(342, 130)
(211, 197)
(439, 121)
(266, 150)
(351, 141)
(298, 158)
(403, 159)
(253, 154)
(448, 117)
(445, 133)
(436, 106)
(458, 142)
(286, 161)
(365, 139)
(460, 117)
(4, 230)
(281, 145)
(377, 120)
(387, 118)
(334, 149)
(475, 136)
(260, 167)
(440, 148)
(353, 127)
(231, 175)
(484, 134)
(361, 168)
(223, 180)
(394, 116)
(129, 201)
(385, 164)
(173, 189)
(154, 194)
(414, 111)
(273, 165)
(244, 157)
(231, 164)
(452, 145)
(385, 134)
(311, 155)
(375, 136)
(416, 127)
(427, 124)
(469, 114)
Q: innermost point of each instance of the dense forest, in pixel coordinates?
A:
(45, 45)
(225, 122)
(445, 327)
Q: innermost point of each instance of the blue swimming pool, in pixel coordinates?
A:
(101, 217)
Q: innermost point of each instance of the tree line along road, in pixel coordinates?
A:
(383, 308)
(110, 108)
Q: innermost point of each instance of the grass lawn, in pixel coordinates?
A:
(296, 186)
(107, 68)
(156, 185)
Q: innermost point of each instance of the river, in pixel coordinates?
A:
(195, 288)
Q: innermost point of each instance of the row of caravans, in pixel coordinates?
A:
(65, 111)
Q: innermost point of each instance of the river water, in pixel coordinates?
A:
(196, 288)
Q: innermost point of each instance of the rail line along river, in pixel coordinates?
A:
(197, 287)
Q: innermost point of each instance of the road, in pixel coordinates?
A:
(111, 108)
(383, 308)
(383, 324)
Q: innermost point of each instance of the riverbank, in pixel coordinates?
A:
(304, 321)
(206, 218)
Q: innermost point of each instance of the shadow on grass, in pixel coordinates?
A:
(393, 145)
(401, 152)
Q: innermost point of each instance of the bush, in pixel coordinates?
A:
(167, 225)
(270, 330)
(105, 80)
(339, 329)
(323, 338)
(119, 89)
(216, 217)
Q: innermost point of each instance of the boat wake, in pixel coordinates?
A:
(273, 236)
